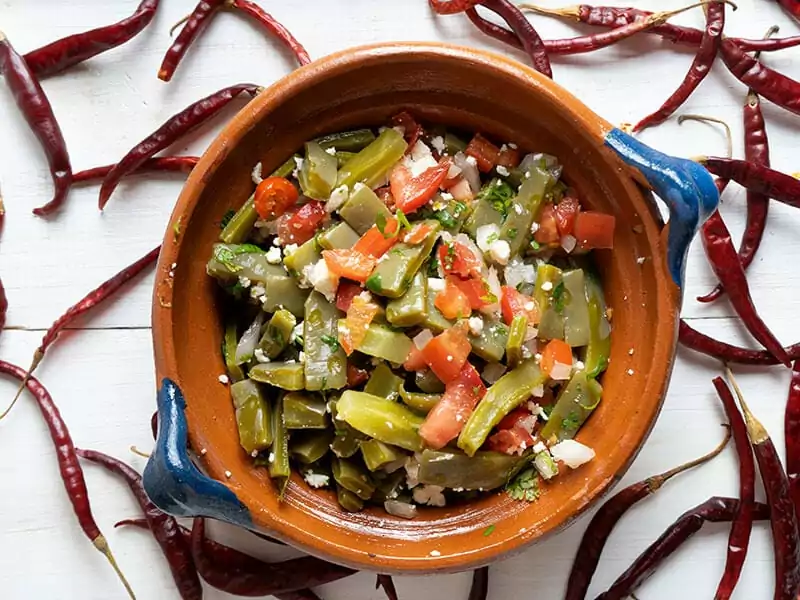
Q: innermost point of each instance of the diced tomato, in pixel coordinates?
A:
(514, 417)
(413, 130)
(510, 441)
(274, 196)
(462, 191)
(594, 230)
(415, 360)
(556, 351)
(384, 194)
(476, 290)
(448, 417)
(359, 316)
(548, 227)
(345, 293)
(374, 243)
(452, 302)
(299, 225)
(447, 352)
(484, 152)
(456, 258)
(566, 212)
(356, 375)
(419, 232)
(350, 264)
(412, 192)
(508, 157)
(515, 303)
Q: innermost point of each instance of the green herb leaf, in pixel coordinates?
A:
(572, 422)
(226, 256)
(450, 256)
(246, 249)
(525, 486)
(559, 297)
(226, 218)
(401, 218)
(488, 531)
(380, 223)
(535, 246)
(492, 238)
(512, 233)
(330, 341)
(433, 267)
(374, 283)
(499, 194)
(445, 218)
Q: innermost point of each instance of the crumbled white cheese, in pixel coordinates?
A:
(502, 171)
(322, 280)
(316, 480)
(301, 357)
(223, 379)
(446, 197)
(630, 371)
(436, 284)
(547, 286)
(298, 161)
(256, 174)
(561, 371)
(579, 366)
(485, 235)
(203, 452)
(534, 227)
(331, 151)
(338, 197)
(438, 143)
(274, 256)
(257, 292)
(277, 241)
(641, 260)
(297, 332)
(538, 392)
(412, 472)
(472, 160)
(228, 474)
(244, 281)
(475, 325)
(435, 553)
(260, 356)
(512, 145)
(572, 453)
(539, 447)
(290, 249)
(429, 494)
(500, 251)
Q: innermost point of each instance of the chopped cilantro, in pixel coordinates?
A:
(535, 246)
(433, 267)
(459, 207)
(402, 219)
(492, 238)
(572, 422)
(548, 410)
(330, 341)
(499, 194)
(559, 297)
(524, 487)
(380, 223)
(224, 255)
(226, 218)
(450, 256)
(374, 283)
(246, 249)
(489, 297)
(396, 252)
(445, 218)
(512, 233)
(488, 531)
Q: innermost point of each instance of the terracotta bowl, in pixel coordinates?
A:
(475, 91)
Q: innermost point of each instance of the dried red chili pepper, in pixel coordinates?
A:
(742, 526)
(274, 28)
(387, 583)
(785, 540)
(602, 524)
(35, 107)
(772, 85)
(196, 22)
(700, 342)
(154, 424)
(71, 50)
(177, 164)
(480, 584)
(792, 436)
(3, 306)
(616, 16)
(216, 549)
(714, 510)
(701, 66)
(792, 7)
(237, 573)
(758, 178)
(172, 130)
(104, 291)
(68, 464)
(530, 40)
(726, 266)
(164, 527)
(495, 31)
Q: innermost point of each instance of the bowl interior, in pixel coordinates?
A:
(473, 91)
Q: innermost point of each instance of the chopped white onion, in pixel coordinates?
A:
(400, 509)
(550, 162)
(485, 235)
(572, 453)
(453, 172)
(517, 271)
(256, 174)
(492, 372)
(494, 287)
(568, 243)
(470, 172)
(338, 197)
(560, 371)
(422, 338)
(249, 340)
(530, 335)
(462, 191)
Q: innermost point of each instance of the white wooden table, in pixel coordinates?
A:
(102, 375)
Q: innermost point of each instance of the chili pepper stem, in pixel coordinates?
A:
(178, 24)
(755, 430)
(137, 452)
(656, 481)
(571, 12)
(706, 119)
(101, 544)
(37, 358)
(658, 18)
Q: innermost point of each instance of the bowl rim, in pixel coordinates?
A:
(239, 126)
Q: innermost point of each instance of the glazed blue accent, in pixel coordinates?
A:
(687, 188)
(171, 479)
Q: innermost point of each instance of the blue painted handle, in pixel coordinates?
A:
(171, 479)
(687, 188)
